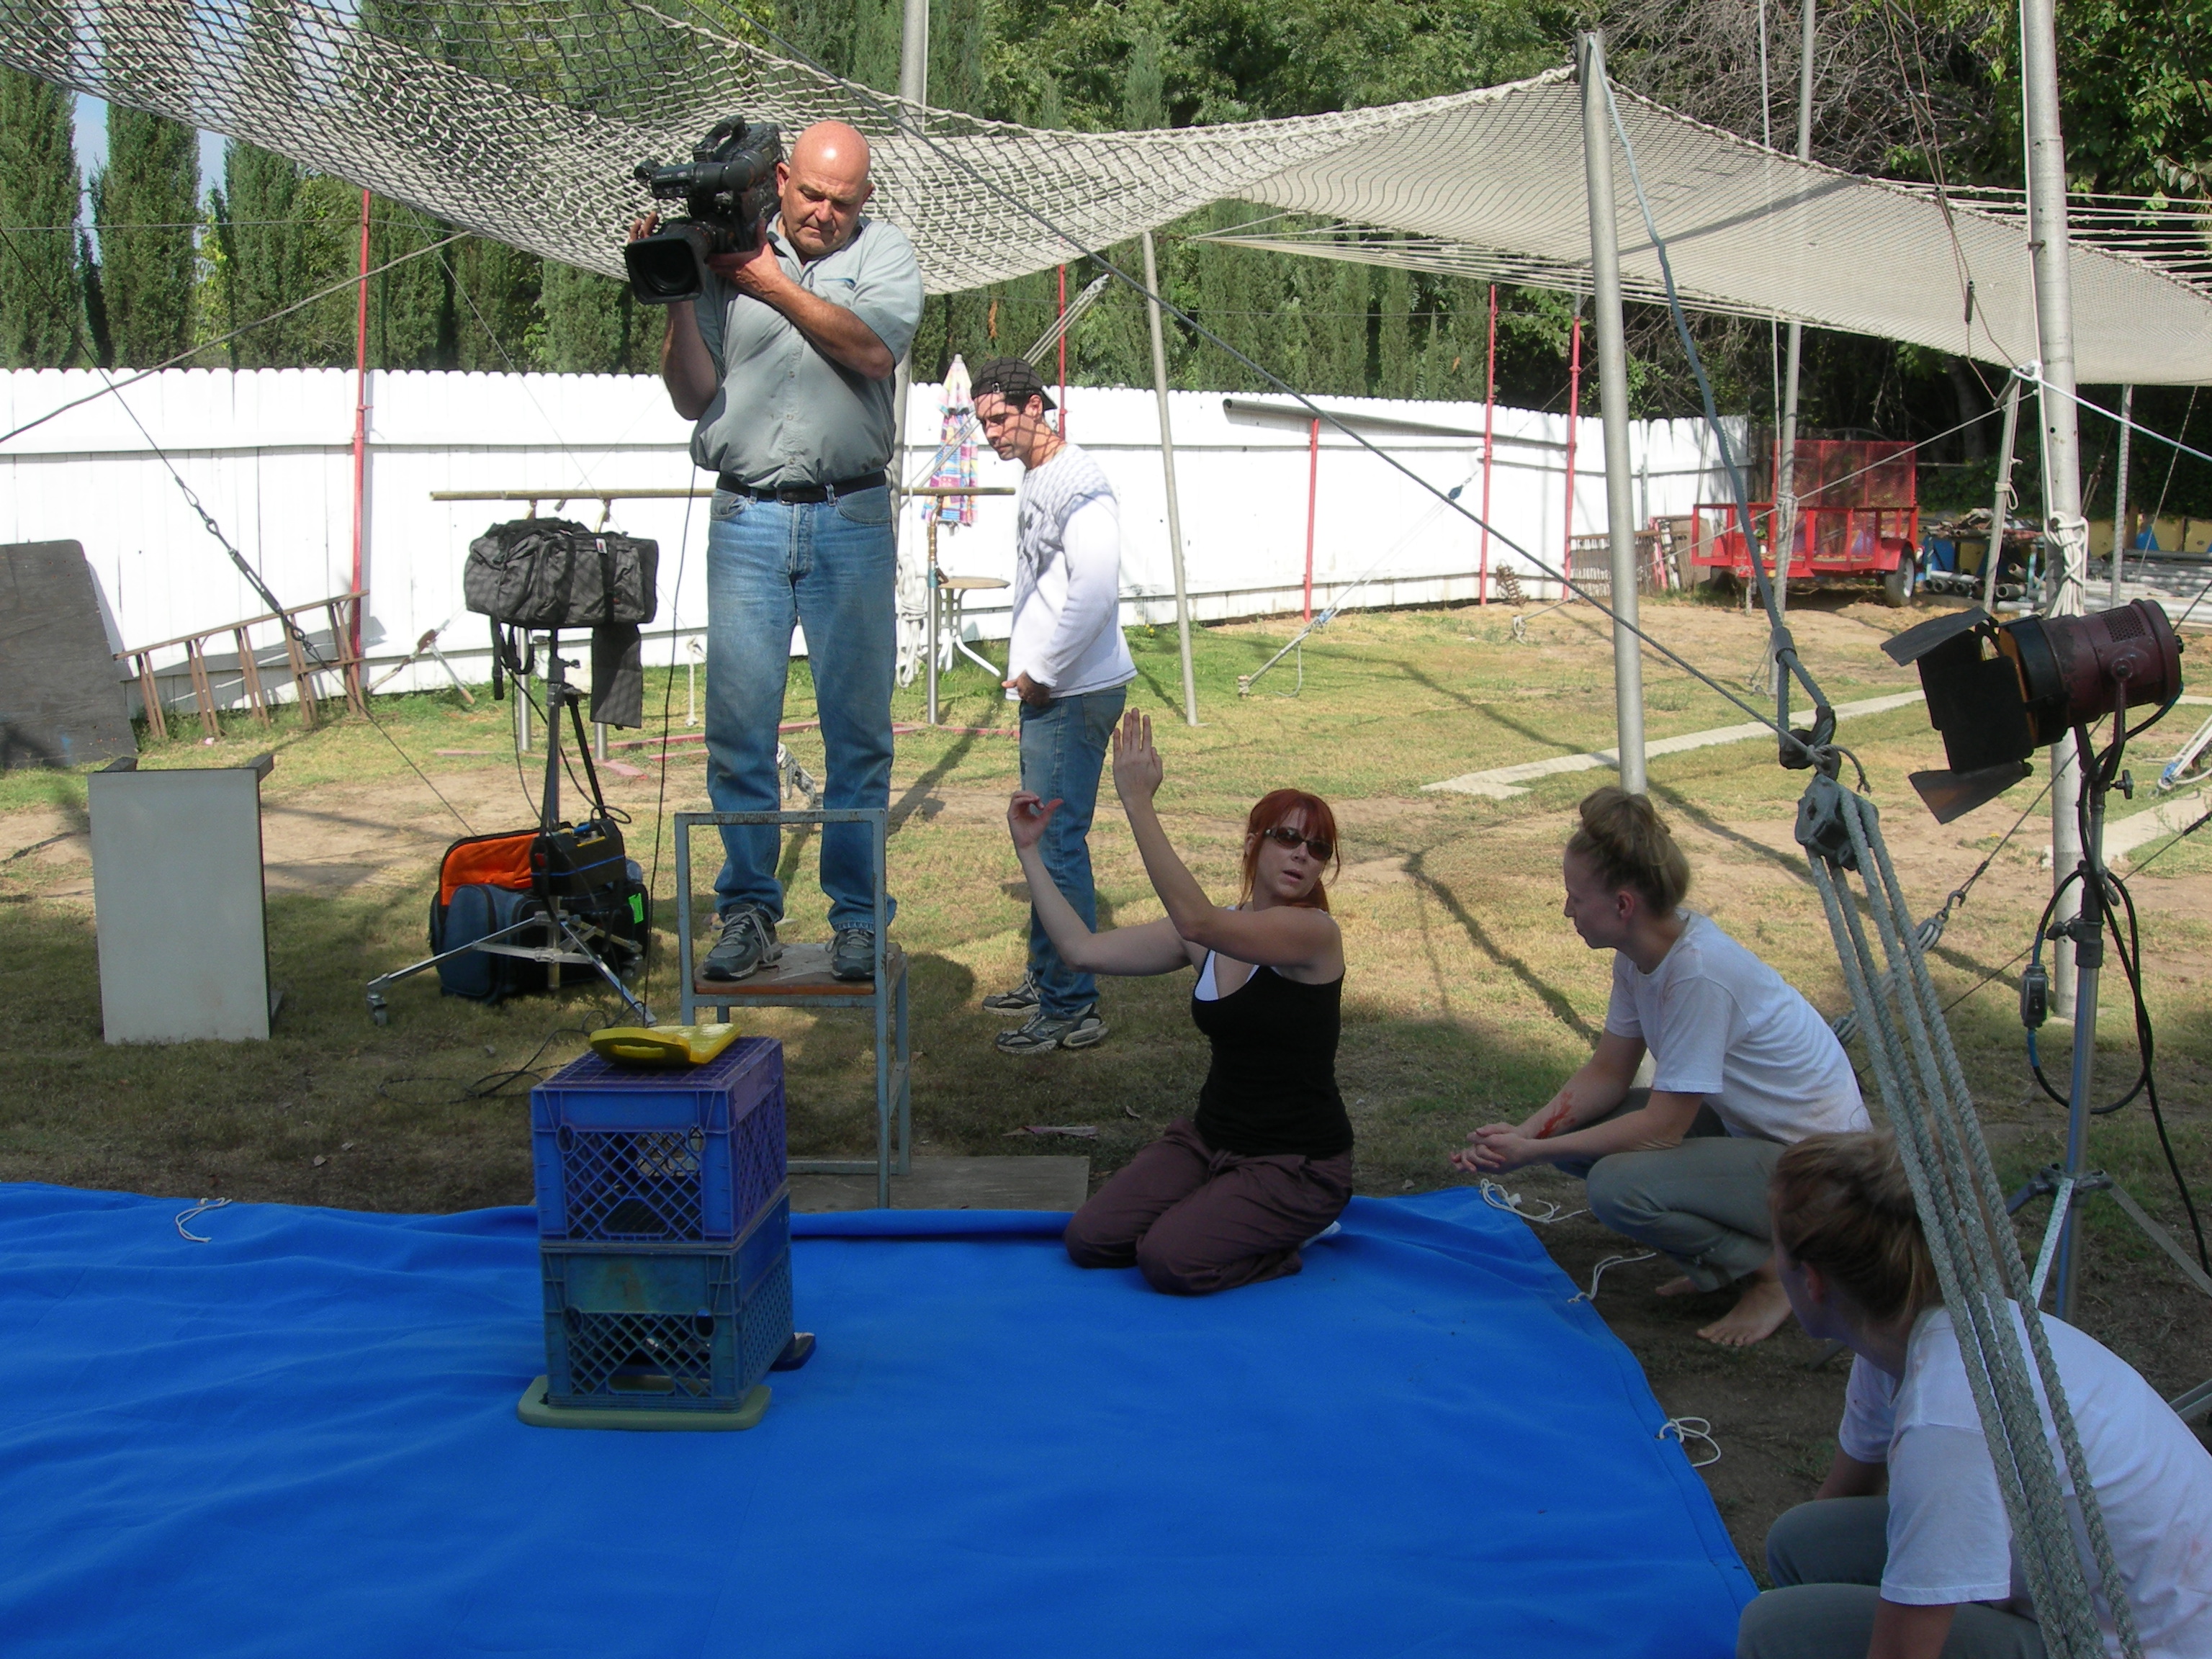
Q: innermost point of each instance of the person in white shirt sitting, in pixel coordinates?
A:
(1742, 1066)
(1932, 1568)
(1070, 667)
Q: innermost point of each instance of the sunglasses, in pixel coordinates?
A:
(1283, 836)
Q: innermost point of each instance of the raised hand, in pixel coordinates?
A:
(1137, 768)
(1026, 817)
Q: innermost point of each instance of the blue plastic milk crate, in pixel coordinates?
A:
(667, 1329)
(683, 1156)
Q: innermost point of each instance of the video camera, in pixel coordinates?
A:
(728, 187)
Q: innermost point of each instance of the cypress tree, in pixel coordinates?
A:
(497, 289)
(411, 322)
(146, 203)
(40, 301)
(593, 326)
(267, 256)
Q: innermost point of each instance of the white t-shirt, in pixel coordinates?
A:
(1949, 1540)
(1067, 579)
(1722, 1024)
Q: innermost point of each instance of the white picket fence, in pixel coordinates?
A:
(269, 454)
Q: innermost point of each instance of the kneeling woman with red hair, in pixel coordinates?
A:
(1226, 1197)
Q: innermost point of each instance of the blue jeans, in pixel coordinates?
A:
(1063, 749)
(829, 566)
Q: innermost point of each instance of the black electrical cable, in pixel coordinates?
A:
(667, 701)
(483, 1087)
(2127, 945)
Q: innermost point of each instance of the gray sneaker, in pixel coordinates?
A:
(853, 954)
(1020, 1001)
(1042, 1031)
(747, 945)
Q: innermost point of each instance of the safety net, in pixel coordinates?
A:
(521, 119)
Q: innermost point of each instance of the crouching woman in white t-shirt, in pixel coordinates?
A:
(1742, 1066)
(1930, 1569)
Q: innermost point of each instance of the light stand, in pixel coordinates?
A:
(2065, 1184)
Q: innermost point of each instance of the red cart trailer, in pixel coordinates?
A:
(1859, 516)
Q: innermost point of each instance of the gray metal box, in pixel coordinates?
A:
(177, 886)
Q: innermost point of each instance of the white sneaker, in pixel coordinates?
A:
(1329, 1232)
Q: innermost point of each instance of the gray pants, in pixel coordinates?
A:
(1826, 1557)
(1703, 1203)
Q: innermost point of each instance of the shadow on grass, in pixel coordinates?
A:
(1551, 997)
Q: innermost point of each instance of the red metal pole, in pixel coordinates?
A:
(1063, 354)
(1574, 413)
(1313, 496)
(1489, 407)
(360, 416)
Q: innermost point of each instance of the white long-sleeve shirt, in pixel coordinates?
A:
(1067, 579)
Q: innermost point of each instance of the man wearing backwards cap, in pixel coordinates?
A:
(1069, 666)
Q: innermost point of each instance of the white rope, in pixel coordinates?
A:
(1985, 1283)
(198, 1209)
(1684, 1430)
(1598, 1272)
(1498, 1199)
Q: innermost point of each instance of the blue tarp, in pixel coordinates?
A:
(299, 1439)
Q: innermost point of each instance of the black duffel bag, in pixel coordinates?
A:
(553, 573)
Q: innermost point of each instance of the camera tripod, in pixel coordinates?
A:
(2066, 1184)
(570, 940)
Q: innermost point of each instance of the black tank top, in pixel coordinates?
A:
(1271, 1087)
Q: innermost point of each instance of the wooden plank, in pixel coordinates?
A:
(203, 693)
(802, 970)
(250, 672)
(150, 693)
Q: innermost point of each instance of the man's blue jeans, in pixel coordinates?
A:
(1063, 748)
(829, 566)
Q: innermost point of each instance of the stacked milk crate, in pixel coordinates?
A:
(664, 1217)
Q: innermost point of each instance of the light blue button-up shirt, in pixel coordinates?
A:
(785, 413)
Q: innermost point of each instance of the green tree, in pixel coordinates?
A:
(39, 297)
(269, 257)
(146, 204)
(593, 326)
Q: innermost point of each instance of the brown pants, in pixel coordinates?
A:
(1196, 1220)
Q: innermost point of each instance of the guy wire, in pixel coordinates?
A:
(252, 577)
(897, 116)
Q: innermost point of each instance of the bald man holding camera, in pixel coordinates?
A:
(785, 363)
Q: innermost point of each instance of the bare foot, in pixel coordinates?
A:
(1680, 1285)
(1758, 1313)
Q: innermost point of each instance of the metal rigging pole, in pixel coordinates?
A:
(2063, 525)
(1613, 398)
(1785, 471)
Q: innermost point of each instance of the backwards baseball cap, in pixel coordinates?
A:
(1011, 378)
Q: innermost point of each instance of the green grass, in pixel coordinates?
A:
(1467, 998)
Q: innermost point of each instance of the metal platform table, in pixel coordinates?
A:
(800, 978)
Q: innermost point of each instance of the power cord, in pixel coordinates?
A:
(490, 1083)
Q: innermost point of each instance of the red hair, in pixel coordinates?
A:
(1280, 806)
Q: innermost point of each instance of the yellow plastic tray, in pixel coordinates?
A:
(662, 1045)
